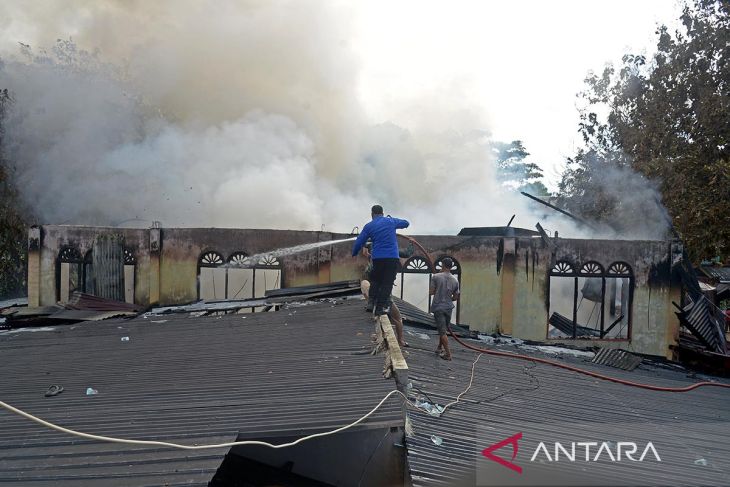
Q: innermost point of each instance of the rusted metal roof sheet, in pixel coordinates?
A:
(690, 430)
(82, 301)
(186, 380)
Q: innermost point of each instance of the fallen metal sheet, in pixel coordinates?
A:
(89, 302)
(413, 315)
(205, 306)
(88, 315)
(706, 322)
(565, 325)
(273, 297)
(315, 288)
(701, 317)
(9, 303)
(707, 287)
(321, 294)
(32, 312)
(615, 357)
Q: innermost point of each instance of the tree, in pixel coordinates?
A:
(667, 119)
(13, 226)
(513, 171)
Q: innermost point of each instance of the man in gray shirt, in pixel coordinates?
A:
(445, 290)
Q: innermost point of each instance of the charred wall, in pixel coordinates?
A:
(505, 281)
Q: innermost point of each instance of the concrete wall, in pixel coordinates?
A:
(43, 282)
(505, 283)
(654, 326)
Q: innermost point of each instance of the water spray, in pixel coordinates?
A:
(256, 259)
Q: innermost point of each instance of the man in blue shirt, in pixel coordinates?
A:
(381, 230)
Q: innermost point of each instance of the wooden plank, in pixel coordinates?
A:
(395, 354)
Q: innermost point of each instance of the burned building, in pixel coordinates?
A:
(610, 293)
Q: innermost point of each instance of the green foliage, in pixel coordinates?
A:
(667, 118)
(513, 171)
(13, 226)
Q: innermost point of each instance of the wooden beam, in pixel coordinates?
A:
(400, 367)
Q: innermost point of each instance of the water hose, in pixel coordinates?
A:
(561, 365)
(583, 371)
(420, 247)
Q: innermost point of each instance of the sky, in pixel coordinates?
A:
(523, 62)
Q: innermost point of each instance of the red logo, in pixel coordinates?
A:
(512, 440)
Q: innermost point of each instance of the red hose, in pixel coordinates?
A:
(564, 366)
(415, 242)
(586, 372)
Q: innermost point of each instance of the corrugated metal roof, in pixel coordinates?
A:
(719, 273)
(182, 379)
(510, 396)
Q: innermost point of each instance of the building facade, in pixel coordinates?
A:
(586, 292)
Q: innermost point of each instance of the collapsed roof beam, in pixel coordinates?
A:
(545, 238)
(579, 220)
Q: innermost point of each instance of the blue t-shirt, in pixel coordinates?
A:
(381, 230)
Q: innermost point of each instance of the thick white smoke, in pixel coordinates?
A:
(230, 114)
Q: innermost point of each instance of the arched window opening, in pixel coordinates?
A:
(211, 276)
(415, 279)
(590, 302)
(246, 279)
(620, 292)
(267, 276)
(240, 277)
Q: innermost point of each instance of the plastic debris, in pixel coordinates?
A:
(432, 409)
(125, 339)
(702, 462)
(91, 391)
(437, 440)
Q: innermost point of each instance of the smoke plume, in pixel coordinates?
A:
(230, 114)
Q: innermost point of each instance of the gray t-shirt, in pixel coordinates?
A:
(444, 286)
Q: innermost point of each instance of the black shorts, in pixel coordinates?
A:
(443, 318)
